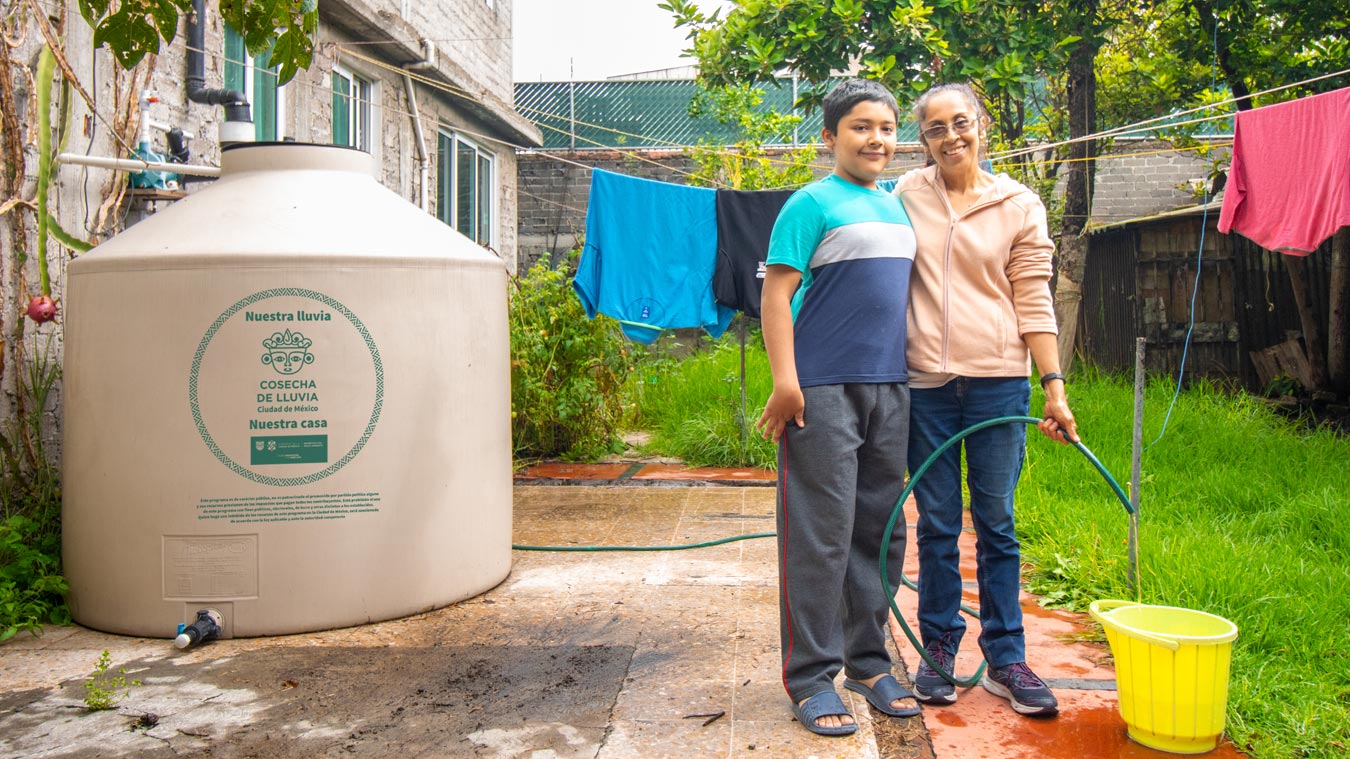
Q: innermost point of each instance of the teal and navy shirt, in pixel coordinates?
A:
(854, 248)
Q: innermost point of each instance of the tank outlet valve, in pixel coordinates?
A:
(206, 627)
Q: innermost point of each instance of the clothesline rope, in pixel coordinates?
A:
(999, 158)
(577, 211)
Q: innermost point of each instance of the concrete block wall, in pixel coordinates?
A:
(1141, 177)
(1136, 178)
(476, 34)
(553, 192)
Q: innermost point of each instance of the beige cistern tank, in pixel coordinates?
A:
(286, 398)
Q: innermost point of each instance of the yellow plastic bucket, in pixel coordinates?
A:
(1171, 672)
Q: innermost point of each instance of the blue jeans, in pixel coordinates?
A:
(994, 459)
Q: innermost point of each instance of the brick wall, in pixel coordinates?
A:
(1141, 180)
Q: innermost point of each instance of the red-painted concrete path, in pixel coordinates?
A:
(640, 473)
(979, 725)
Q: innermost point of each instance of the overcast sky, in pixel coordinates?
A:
(594, 39)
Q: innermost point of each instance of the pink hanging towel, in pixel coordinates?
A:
(1289, 185)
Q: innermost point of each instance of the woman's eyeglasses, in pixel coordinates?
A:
(939, 131)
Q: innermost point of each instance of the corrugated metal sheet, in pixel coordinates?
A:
(1108, 316)
(1139, 280)
(643, 114)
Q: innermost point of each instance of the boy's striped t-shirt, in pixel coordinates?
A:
(854, 247)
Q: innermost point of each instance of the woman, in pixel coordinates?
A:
(980, 309)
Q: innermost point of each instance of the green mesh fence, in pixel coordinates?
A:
(643, 114)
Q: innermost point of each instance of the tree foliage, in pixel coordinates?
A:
(1265, 44)
(131, 29)
(1014, 53)
(1170, 56)
(1002, 46)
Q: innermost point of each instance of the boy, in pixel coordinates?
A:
(833, 313)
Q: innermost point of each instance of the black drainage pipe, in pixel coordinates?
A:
(235, 102)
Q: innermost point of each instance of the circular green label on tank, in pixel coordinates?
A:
(286, 386)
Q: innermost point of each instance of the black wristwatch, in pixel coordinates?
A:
(1052, 376)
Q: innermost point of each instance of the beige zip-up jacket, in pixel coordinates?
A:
(981, 279)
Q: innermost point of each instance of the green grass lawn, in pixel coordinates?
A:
(692, 406)
(1243, 514)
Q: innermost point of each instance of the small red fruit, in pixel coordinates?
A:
(42, 309)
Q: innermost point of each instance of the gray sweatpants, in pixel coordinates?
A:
(838, 480)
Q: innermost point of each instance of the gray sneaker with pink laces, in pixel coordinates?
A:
(1028, 693)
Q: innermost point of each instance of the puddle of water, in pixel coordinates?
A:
(1091, 731)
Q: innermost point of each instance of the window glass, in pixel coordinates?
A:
(258, 81)
(342, 89)
(484, 200)
(264, 98)
(445, 204)
(352, 121)
(464, 187)
(236, 61)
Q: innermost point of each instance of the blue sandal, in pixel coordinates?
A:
(824, 704)
(882, 693)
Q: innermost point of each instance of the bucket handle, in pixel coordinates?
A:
(1098, 609)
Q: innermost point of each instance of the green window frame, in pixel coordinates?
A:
(465, 175)
(351, 109)
(253, 76)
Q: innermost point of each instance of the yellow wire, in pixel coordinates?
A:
(1207, 146)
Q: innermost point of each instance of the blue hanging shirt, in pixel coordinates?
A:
(650, 252)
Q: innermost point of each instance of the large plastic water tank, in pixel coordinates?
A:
(286, 398)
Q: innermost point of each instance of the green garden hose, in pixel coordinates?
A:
(890, 526)
(900, 509)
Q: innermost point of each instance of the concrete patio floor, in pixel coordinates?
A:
(607, 655)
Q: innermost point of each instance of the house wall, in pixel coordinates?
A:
(1141, 177)
(395, 146)
(476, 34)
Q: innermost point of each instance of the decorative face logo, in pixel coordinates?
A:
(287, 352)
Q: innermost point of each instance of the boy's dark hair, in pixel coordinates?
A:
(849, 93)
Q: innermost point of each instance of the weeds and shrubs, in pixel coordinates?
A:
(567, 371)
(102, 691)
(577, 382)
(32, 589)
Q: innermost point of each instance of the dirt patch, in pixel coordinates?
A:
(902, 738)
(349, 701)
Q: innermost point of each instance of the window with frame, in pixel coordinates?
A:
(464, 182)
(253, 76)
(351, 109)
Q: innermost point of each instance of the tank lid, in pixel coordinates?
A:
(293, 156)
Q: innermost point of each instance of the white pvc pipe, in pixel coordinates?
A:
(423, 157)
(134, 164)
